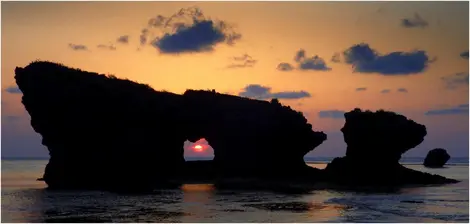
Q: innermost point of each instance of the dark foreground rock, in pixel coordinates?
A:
(113, 134)
(436, 158)
(375, 142)
(108, 133)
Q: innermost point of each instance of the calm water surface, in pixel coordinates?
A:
(25, 200)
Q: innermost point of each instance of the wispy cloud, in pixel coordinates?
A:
(385, 91)
(402, 90)
(242, 62)
(361, 89)
(336, 58)
(106, 47)
(416, 22)
(143, 36)
(461, 109)
(456, 80)
(78, 47)
(123, 39)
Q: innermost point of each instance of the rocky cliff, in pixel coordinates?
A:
(251, 137)
(375, 142)
(105, 133)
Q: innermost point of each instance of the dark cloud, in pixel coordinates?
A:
(459, 109)
(13, 90)
(335, 114)
(456, 80)
(310, 63)
(106, 47)
(314, 63)
(285, 67)
(366, 60)
(188, 31)
(123, 39)
(415, 22)
(256, 91)
(242, 62)
(361, 89)
(402, 90)
(305, 63)
(78, 47)
(385, 91)
(199, 37)
(464, 54)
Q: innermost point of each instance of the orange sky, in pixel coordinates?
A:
(272, 33)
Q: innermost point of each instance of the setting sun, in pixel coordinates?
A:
(198, 148)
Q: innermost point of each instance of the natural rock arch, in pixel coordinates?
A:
(103, 132)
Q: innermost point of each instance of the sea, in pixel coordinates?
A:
(25, 200)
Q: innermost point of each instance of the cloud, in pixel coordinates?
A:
(257, 91)
(402, 90)
(13, 90)
(143, 36)
(464, 54)
(310, 63)
(242, 62)
(335, 114)
(456, 80)
(336, 58)
(78, 47)
(285, 67)
(385, 91)
(305, 63)
(123, 39)
(361, 89)
(415, 22)
(366, 60)
(300, 55)
(106, 47)
(188, 31)
(461, 109)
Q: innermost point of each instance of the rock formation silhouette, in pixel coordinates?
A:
(436, 158)
(375, 142)
(250, 137)
(103, 132)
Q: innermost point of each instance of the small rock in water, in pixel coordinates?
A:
(436, 158)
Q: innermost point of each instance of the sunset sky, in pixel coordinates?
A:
(321, 58)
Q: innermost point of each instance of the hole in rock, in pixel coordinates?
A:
(197, 151)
